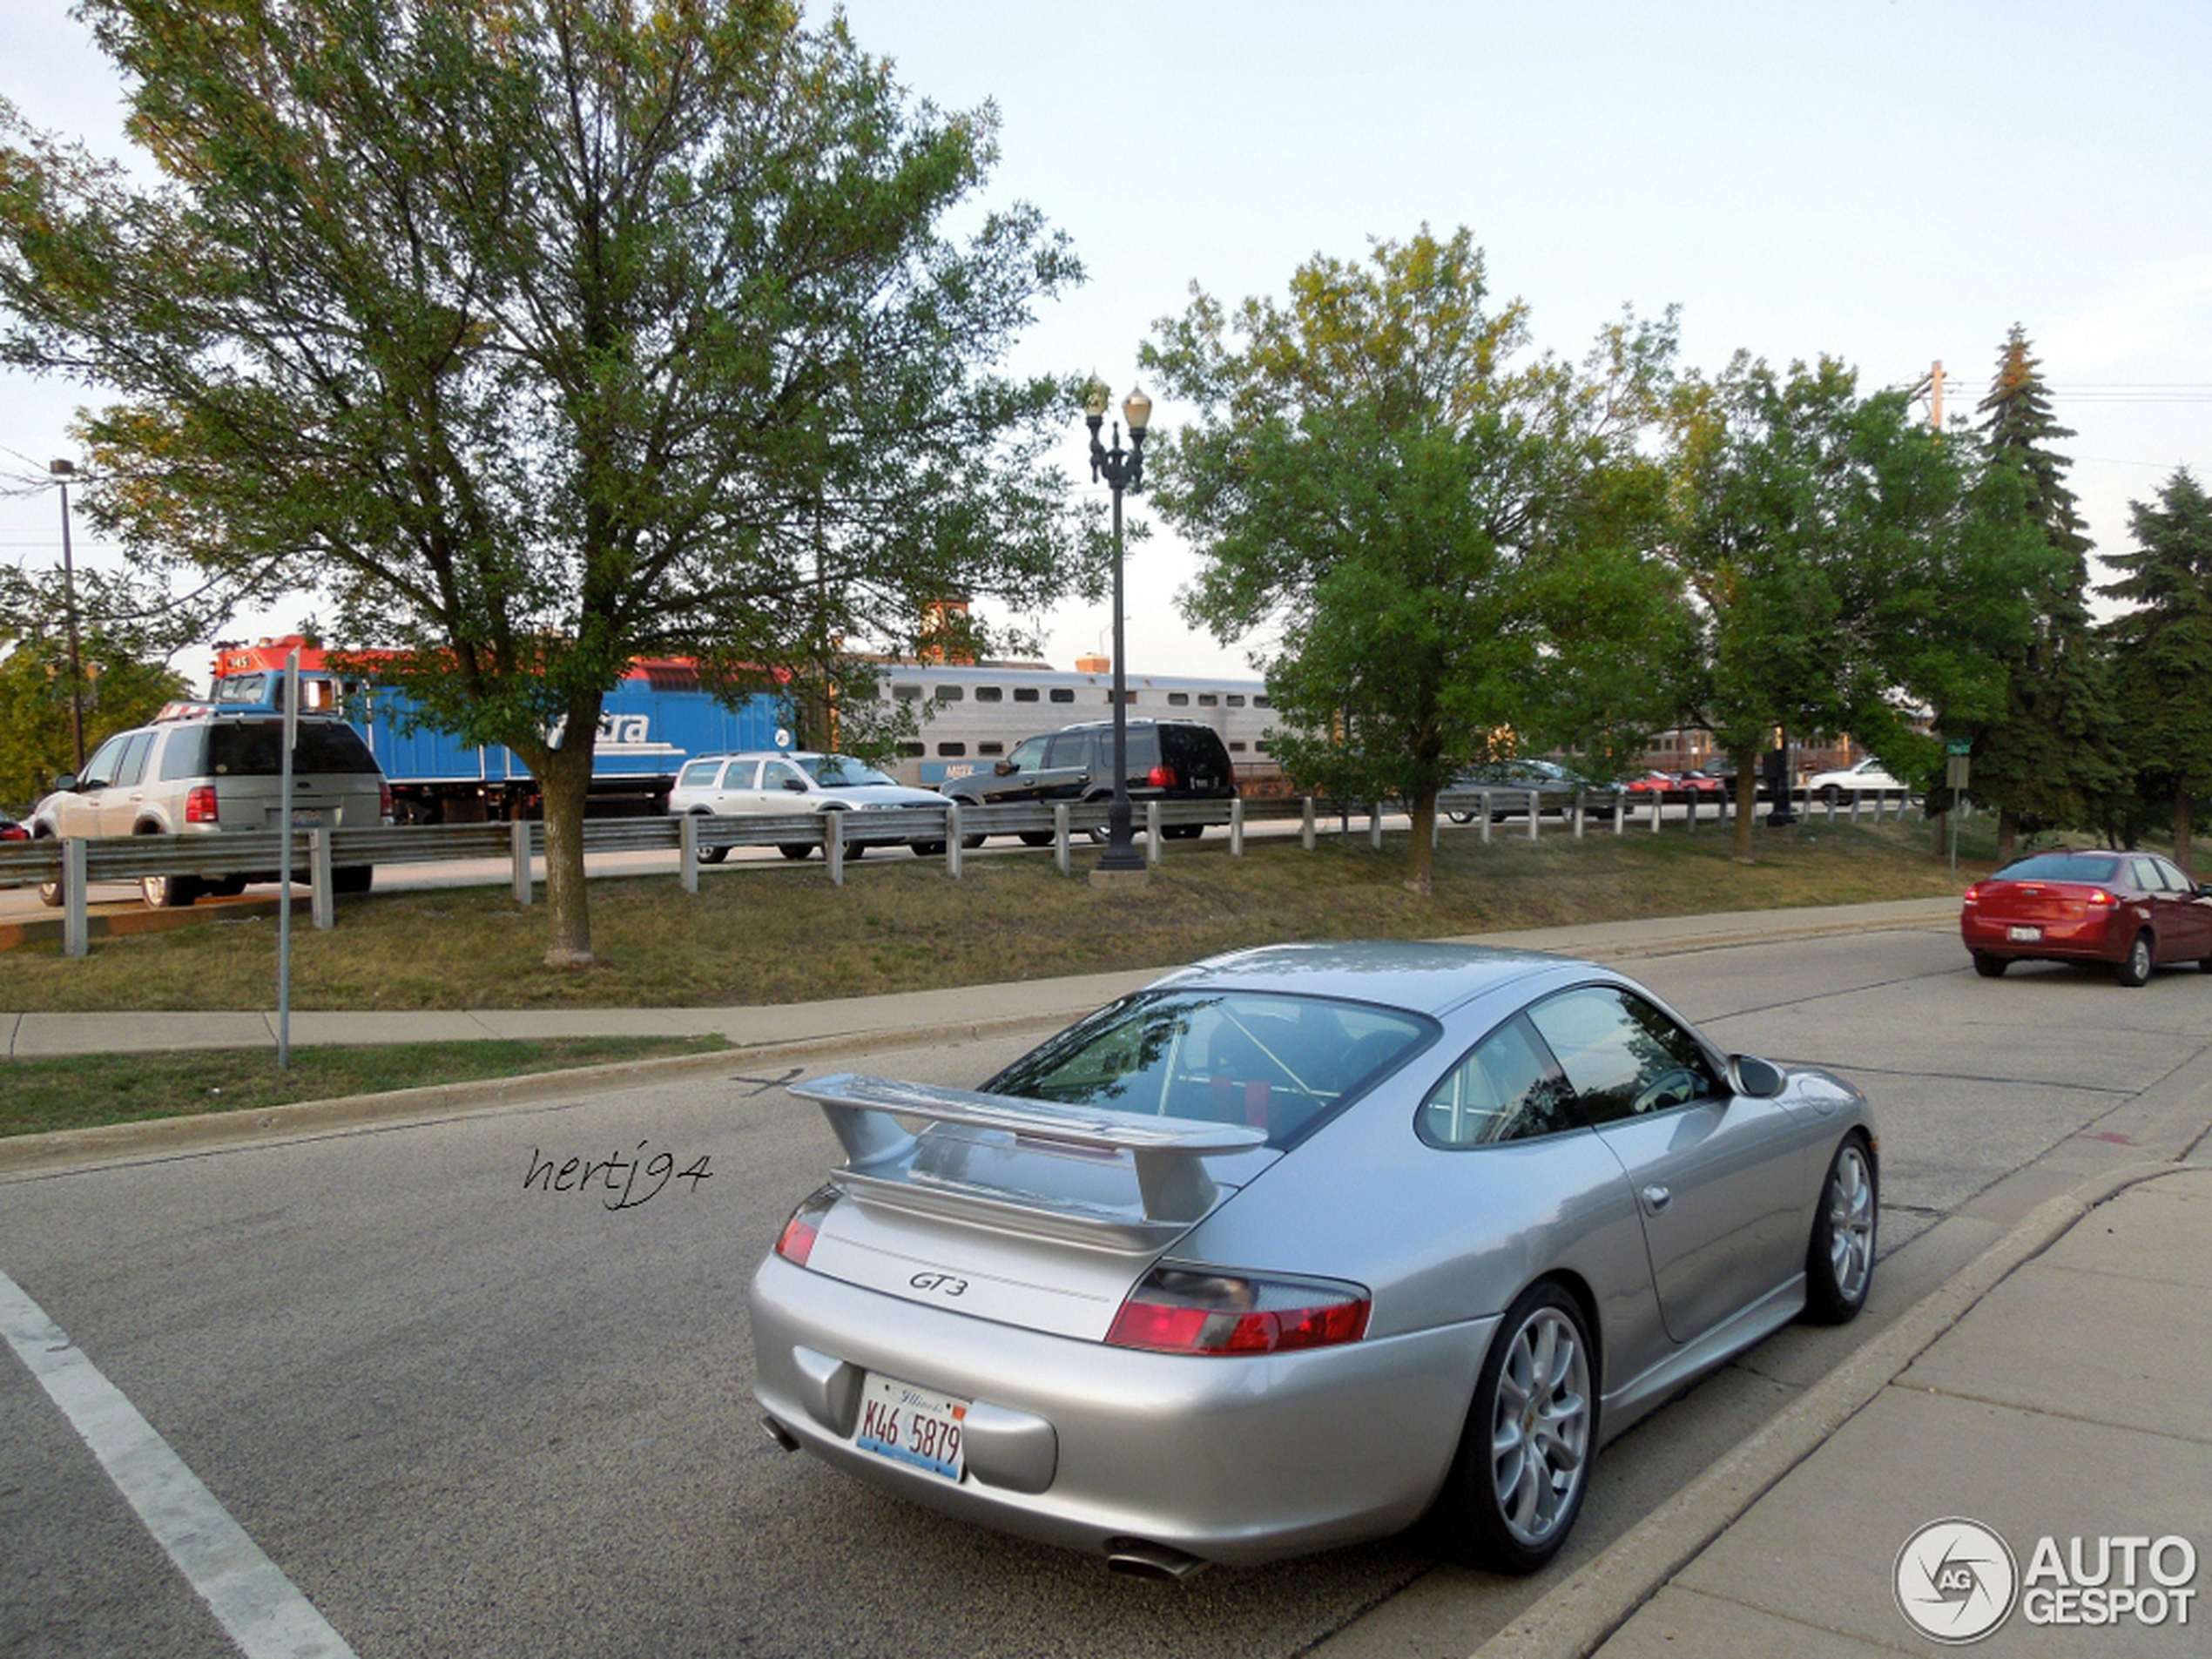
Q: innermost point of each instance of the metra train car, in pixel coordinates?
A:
(971, 715)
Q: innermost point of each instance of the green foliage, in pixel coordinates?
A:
(535, 335)
(1845, 577)
(37, 740)
(1437, 528)
(2053, 753)
(2162, 650)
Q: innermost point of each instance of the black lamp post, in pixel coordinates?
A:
(1122, 470)
(63, 471)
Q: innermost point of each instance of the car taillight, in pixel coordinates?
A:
(796, 1243)
(1974, 894)
(384, 792)
(1189, 1310)
(2099, 900)
(1160, 777)
(199, 805)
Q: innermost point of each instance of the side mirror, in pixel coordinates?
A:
(797, 786)
(65, 781)
(1759, 1079)
(1005, 769)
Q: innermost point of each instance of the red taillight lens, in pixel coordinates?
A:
(797, 1241)
(199, 805)
(2099, 900)
(1160, 777)
(1183, 1310)
(1974, 894)
(385, 790)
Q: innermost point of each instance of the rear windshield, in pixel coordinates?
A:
(255, 749)
(2062, 867)
(1280, 1064)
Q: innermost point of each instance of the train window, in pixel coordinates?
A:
(990, 748)
(1261, 747)
(1235, 700)
(1262, 703)
(1063, 694)
(952, 751)
(1025, 694)
(1235, 748)
(906, 693)
(950, 694)
(1127, 697)
(990, 694)
(1178, 699)
(912, 750)
(1207, 699)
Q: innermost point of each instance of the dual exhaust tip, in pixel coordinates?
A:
(1131, 1557)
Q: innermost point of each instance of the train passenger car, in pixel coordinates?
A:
(971, 715)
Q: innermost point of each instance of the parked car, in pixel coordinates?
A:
(775, 782)
(2133, 910)
(1869, 777)
(207, 771)
(1300, 1245)
(1556, 788)
(1168, 760)
(11, 831)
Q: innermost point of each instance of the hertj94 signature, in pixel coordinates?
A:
(620, 1175)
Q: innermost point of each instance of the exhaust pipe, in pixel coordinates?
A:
(782, 1436)
(1141, 1558)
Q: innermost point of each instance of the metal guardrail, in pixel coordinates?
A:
(319, 855)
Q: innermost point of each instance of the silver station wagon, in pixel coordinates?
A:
(1302, 1245)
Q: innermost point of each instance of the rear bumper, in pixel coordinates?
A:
(2099, 939)
(1076, 1444)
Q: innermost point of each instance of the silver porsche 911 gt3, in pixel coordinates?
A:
(1300, 1245)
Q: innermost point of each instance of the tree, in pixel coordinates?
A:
(1422, 513)
(1843, 577)
(2163, 646)
(2052, 752)
(535, 335)
(37, 740)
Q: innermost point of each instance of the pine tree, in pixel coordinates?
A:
(2055, 756)
(2163, 650)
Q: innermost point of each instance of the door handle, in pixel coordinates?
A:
(1656, 1198)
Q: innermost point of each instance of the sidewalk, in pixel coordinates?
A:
(2060, 1389)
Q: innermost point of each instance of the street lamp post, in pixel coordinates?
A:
(63, 471)
(1121, 469)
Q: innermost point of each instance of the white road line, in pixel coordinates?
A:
(262, 1609)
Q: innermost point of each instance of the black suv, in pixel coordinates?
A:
(1168, 760)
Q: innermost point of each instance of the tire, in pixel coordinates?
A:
(228, 887)
(928, 849)
(2134, 968)
(355, 878)
(971, 842)
(795, 849)
(1036, 838)
(1991, 967)
(168, 892)
(1830, 796)
(1182, 832)
(1461, 817)
(1503, 1508)
(713, 854)
(1839, 1257)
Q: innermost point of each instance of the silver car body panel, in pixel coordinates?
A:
(1683, 1233)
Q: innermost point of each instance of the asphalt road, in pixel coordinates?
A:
(466, 1417)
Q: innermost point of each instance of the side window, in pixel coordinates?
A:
(781, 775)
(698, 774)
(1065, 749)
(99, 771)
(2175, 877)
(2144, 873)
(1028, 755)
(1508, 1089)
(132, 765)
(740, 774)
(1623, 1056)
(185, 753)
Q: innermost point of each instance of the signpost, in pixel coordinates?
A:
(1957, 763)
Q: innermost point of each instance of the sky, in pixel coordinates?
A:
(1893, 183)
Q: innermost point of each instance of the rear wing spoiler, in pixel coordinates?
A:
(1168, 1154)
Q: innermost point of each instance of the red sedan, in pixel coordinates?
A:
(2135, 910)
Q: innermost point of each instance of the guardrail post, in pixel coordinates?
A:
(322, 902)
(1482, 811)
(1062, 855)
(1435, 828)
(1152, 836)
(834, 846)
(77, 927)
(1305, 834)
(1374, 827)
(518, 835)
(687, 851)
(1535, 811)
(953, 850)
(1658, 798)
(1578, 814)
(1693, 814)
(1236, 828)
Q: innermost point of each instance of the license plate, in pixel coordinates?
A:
(306, 820)
(912, 1426)
(2024, 935)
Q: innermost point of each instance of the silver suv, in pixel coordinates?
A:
(205, 772)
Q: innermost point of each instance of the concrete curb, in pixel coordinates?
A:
(1578, 1616)
(160, 1138)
